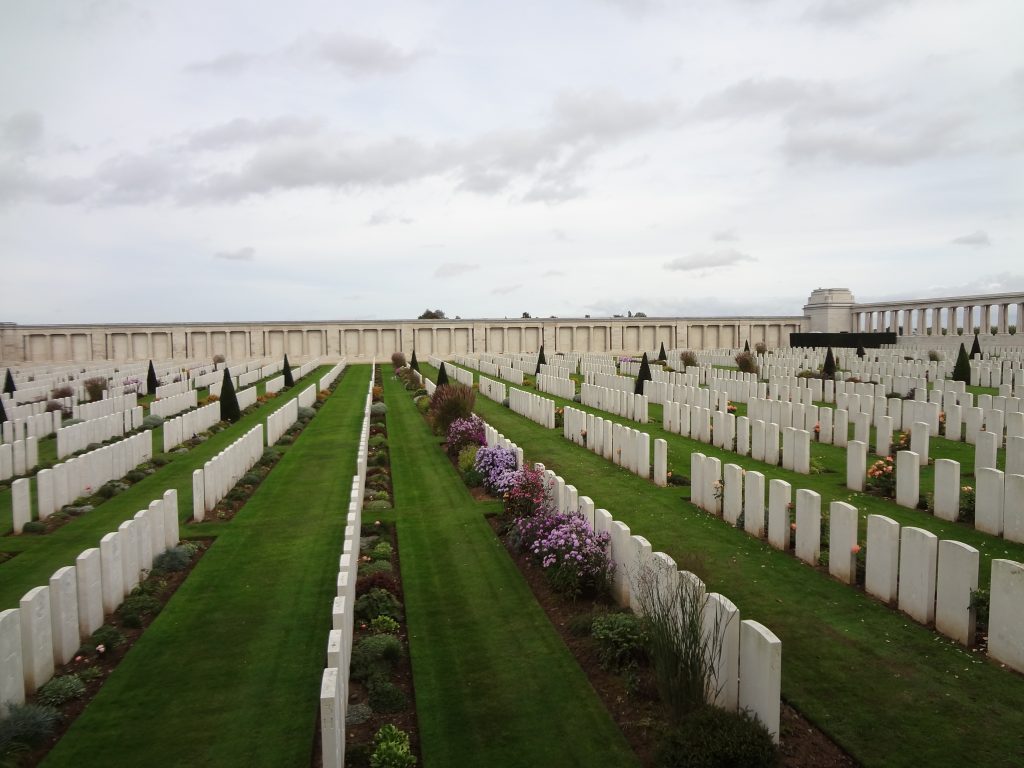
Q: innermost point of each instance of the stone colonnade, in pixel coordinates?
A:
(937, 317)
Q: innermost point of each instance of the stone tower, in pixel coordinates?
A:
(828, 310)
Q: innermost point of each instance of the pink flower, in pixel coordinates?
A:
(855, 549)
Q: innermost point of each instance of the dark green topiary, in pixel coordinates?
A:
(746, 345)
(229, 410)
(9, 387)
(3, 412)
(962, 367)
(289, 381)
(414, 363)
(151, 380)
(975, 348)
(860, 351)
(714, 738)
(642, 376)
(442, 377)
(661, 354)
(828, 370)
(541, 360)
(375, 656)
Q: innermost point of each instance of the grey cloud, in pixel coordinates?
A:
(453, 268)
(501, 290)
(22, 132)
(244, 131)
(708, 261)
(849, 11)
(356, 55)
(231, 63)
(725, 236)
(381, 218)
(553, 273)
(799, 99)
(978, 239)
(292, 153)
(888, 145)
(247, 253)
(133, 179)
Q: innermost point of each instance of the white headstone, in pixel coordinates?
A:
(761, 674)
(1005, 618)
(64, 614)
(957, 578)
(882, 559)
(919, 551)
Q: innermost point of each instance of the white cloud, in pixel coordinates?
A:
(502, 290)
(978, 239)
(454, 269)
(725, 236)
(247, 253)
(356, 55)
(708, 261)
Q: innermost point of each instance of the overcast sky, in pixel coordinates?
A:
(282, 161)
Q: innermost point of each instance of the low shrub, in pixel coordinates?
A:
(377, 440)
(378, 566)
(385, 696)
(378, 602)
(465, 433)
(715, 738)
(376, 580)
(423, 404)
(160, 461)
(688, 359)
(173, 560)
(375, 656)
(26, 726)
(378, 409)
(152, 421)
(108, 490)
(59, 393)
(391, 749)
(525, 495)
(378, 505)
(53, 405)
(379, 495)
(34, 526)
(107, 636)
(620, 640)
(135, 476)
(382, 551)
(746, 362)
(306, 413)
(95, 387)
(251, 478)
(760, 348)
(496, 466)
(269, 457)
(398, 360)
(59, 690)
(384, 625)
(573, 555)
(136, 608)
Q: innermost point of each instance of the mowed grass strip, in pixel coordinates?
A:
(495, 684)
(889, 691)
(228, 674)
(40, 556)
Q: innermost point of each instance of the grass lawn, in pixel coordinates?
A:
(228, 674)
(495, 684)
(40, 556)
(888, 690)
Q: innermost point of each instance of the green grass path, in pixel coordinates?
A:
(228, 674)
(495, 684)
(40, 556)
(889, 691)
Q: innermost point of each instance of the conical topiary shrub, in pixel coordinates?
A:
(289, 380)
(442, 377)
(860, 350)
(975, 348)
(3, 412)
(661, 355)
(643, 375)
(962, 367)
(152, 382)
(829, 368)
(746, 345)
(414, 363)
(541, 360)
(229, 410)
(9, 387)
